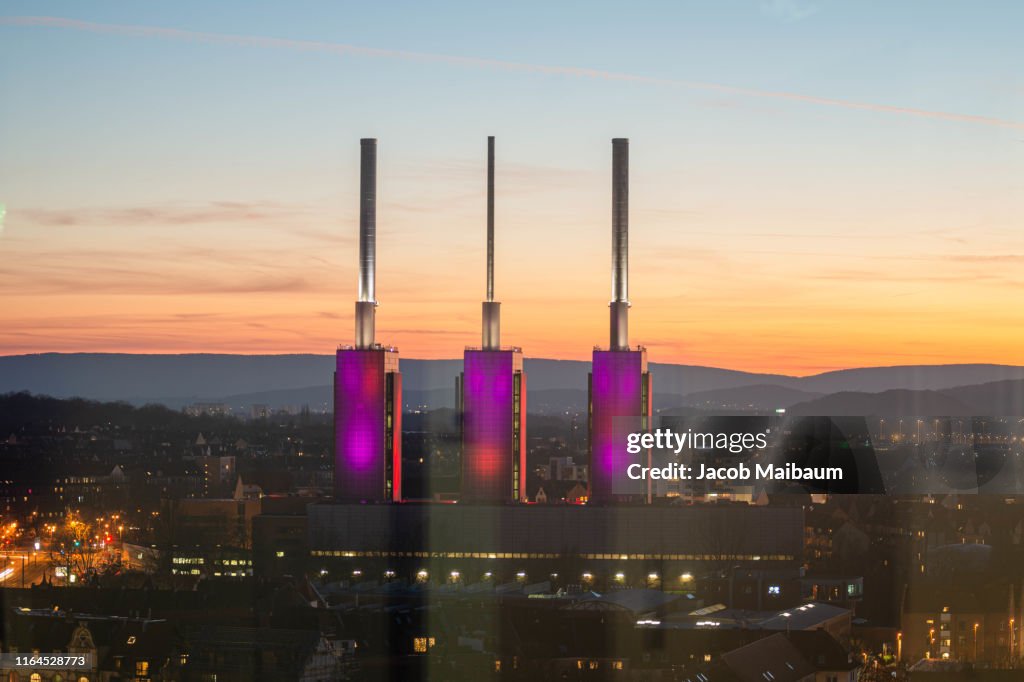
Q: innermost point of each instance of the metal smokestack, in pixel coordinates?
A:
(491, 332)
(490, 218)
(367, 301)
(619, 306)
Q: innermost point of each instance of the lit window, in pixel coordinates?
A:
(419, 645)
(141, 668)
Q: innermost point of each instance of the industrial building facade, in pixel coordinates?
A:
(681, 538)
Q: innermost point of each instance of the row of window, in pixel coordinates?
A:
(550, 555)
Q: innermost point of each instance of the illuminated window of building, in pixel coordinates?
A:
(280, 554)
(419, 645)
(497, 666)
(707, 658)
(579, 664)
(36, 677)
(83, 678)
(616, 665)
(593, 665)
(141, 668)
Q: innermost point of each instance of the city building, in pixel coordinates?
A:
(586, 545)
(973, 623)
(112, 647)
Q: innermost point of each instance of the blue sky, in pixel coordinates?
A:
(231, 168)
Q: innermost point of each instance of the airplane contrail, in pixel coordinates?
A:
(344, 49)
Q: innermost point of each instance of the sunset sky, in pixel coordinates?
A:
(814, 185)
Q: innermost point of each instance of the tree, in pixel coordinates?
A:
(73, 548)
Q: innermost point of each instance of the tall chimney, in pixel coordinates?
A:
(491, 333)
(619, 306)
(490, 218)
(367, 243)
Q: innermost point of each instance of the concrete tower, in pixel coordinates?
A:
(620, 385)
(367, 384)
(492, 398)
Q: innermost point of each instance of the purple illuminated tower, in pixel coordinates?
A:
(493, 398)
(620, 385)
(367, 384)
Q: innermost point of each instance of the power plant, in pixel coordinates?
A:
(367, 383)
(491, 390)
(492, 398)
(494, 530)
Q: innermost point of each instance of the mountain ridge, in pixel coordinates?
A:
(295, 379)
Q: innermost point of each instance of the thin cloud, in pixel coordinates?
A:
(132, 281)
(134, 216)
(342, 49)
(991, 258)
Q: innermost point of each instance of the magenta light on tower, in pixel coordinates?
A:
(619, 403)
(493, 424)
(366, 383)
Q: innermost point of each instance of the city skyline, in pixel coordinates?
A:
(188, 185)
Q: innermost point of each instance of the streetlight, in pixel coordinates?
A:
(1011, 640)
(976, 641)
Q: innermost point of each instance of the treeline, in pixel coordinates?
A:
(24, 410)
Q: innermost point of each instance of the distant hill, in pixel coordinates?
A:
(552, 385)
(913, 377)
(177, 380)
(997, 398)
(757, 397)
(894, 402)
